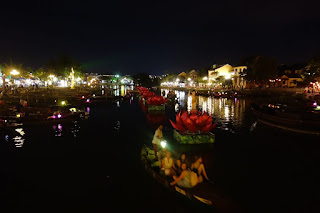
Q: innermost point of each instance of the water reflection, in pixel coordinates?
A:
(223, 109)
(65, 129)
(13, 136)
(229, 113)
(156, 118)
(121, 90)
(18, 140)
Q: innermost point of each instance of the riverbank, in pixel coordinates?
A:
(43, 96)
(280, 95)
(251, 91)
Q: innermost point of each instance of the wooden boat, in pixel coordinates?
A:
(48, 118)
(46, 121)
(306, 122)
(204, 193)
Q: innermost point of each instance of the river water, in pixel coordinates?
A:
(93, 165)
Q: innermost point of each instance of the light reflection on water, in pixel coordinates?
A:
(121, 90)
(15, 136)
(18, 139)
(225, 111)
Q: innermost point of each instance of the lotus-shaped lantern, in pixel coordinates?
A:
(156, 100)
(148, 94)
(193, 122)
(142, 89)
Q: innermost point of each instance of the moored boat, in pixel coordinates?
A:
(276, 115)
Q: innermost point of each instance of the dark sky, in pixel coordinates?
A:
(154, 36)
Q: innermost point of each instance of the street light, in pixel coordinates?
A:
(14, 72)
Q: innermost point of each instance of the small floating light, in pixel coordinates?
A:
(83, 97)
(59, 115)
(88, 100)
(63, 103)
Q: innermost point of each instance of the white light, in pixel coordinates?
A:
(205, 78)
(14, 72)
(189, 79)
(63, 83)
(227, 76)
(20, 130)
(163, 144)
(177, 79)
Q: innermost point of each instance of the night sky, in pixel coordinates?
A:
(128, 37)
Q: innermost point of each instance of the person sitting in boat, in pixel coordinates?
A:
(179, 162)
(168, 165)
(198, 168)
(161, 155)
(187, 178)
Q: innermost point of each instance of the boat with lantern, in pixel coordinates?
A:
(207, 193)
(52, 115)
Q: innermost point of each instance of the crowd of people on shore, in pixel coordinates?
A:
(184, 172)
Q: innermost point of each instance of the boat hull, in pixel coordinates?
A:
(287, 123)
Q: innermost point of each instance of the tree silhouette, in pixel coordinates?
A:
(260, 68)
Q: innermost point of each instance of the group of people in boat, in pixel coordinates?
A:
(184, 172)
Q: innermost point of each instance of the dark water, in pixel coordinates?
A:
(94, 165)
